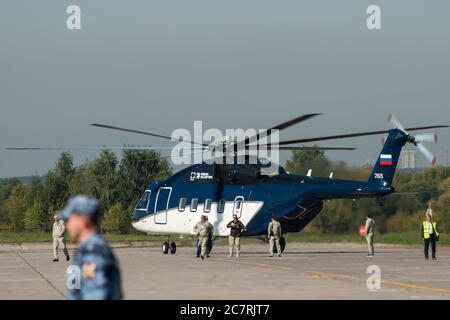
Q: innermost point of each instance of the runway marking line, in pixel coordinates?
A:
(320, 274)
(256, 264)
(40, 274)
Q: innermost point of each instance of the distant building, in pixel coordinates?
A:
(408, 159)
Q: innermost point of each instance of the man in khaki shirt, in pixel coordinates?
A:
(274, 235)
(370, 233)
(204, 230)
(59, 230)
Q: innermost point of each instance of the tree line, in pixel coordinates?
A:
(398, 213)
(119, 184)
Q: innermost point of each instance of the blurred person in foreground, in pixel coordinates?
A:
(98, 271)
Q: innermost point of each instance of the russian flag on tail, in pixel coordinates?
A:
(386, 159)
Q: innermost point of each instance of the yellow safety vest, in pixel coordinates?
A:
(426, 232)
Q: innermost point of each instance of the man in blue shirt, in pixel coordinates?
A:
(97, 268)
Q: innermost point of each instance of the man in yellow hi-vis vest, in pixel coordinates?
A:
(430, 234)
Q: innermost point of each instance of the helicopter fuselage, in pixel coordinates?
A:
(175, 205)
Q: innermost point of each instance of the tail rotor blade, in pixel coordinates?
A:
(395, 122)
(427, 137)
(427, 153)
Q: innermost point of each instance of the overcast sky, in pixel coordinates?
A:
(159, 65)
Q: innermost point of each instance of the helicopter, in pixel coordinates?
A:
(221, 189)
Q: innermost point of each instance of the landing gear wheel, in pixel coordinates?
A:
(165, 247)
(173, 248)
(282, 245)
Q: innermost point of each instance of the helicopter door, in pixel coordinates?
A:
(238, 204)
(162, 204)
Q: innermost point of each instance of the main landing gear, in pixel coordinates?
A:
(166, 247)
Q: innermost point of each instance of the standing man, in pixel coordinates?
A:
(370, 233)
(204, 230)
(274, 234)
(429, 235)
(98, 273)
(234, 240)
(210, 238)
(59, 230)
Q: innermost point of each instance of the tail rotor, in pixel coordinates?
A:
(417, 140)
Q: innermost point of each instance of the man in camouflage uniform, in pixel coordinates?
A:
(98, 272)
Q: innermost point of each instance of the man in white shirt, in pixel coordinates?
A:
(370, 233)
(59, 230)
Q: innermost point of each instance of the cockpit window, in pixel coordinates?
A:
(145, 200)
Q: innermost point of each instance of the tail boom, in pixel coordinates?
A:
(384, 169)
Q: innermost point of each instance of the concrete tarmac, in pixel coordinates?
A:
(305, 271)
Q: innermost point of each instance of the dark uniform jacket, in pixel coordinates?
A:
(236, 228)
(100, 275)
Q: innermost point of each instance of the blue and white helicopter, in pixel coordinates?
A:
(174, 206)
(219, 190)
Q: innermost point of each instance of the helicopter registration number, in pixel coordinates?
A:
(378, 176)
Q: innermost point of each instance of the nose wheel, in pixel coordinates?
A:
(169, 247)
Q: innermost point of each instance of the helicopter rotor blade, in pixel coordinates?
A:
(93, 148)
(143, 132)
(307, 148)
(318, 148)
(278, 127)
(353, 135)
(169, 156)
(294, 121)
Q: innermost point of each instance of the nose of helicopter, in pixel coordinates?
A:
(141, 209)
(135, 216)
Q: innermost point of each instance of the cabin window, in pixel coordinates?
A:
(238, 204)
(182, 204)
(221, 206)
(207, 207)
(144, 201)
(194, 204)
